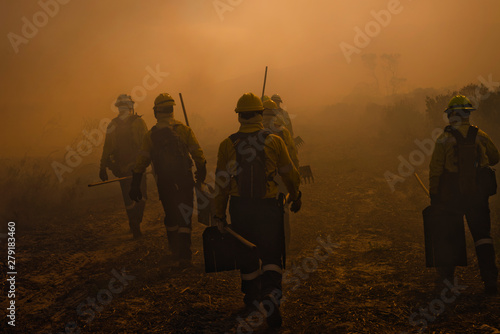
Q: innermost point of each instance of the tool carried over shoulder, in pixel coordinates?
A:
(298, 141)
(264, 87)
(306, 174)
(184, 109)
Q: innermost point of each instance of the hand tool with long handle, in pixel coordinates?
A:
(240, 238)
(184, 109)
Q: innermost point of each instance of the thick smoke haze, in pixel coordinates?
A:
(89, 52)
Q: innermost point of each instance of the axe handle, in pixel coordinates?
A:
(422, 184)
(240, 238)
(184, 109)
(264, 87)
(109, 181)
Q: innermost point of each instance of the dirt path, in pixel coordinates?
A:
(369, 278)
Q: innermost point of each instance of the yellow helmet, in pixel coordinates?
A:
(276, 98)
(459, 102)
(124, 100)
(249, 102)
(164, 99)
(265, 98)
(270, 104)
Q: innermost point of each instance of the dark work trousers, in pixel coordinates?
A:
(260, 221)
(135, 210)
(477, 212)
(177, 198)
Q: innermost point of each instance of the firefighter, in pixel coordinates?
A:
(272, 124)
(283, 116)
(121, 148)
(247, 163)
(461, 182)
(171, 147)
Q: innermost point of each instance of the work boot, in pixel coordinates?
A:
(487, 265)
(251, 300)
(136, 230)
(445, 273)
(251, 289)
(272, 311)
(184, 245)
(491, 288)
(173, 243)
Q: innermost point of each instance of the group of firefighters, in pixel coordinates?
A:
(247, 167)
(248, 164)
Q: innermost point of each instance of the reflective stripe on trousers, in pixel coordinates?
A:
(485, 241)
(250, 276)
(272, 267)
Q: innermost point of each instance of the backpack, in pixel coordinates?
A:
(467, 159)
(170, 155)
(125, 152)
(251, 159)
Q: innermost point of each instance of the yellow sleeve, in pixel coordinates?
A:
(108, 147)
(195, 149)
(436, 166)
(139, 129)
(144, 158)
(492, 152)
(286, 170)
(292, 149)
(222, 178)
(288, 122)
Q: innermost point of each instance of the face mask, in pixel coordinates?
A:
(124, 109)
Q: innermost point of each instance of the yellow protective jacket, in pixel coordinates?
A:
(112, 144)
(186, 135)
(284, 119)
(272, 123)
(277, 161)
(444, 157)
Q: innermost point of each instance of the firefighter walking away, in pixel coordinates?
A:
(247, 163)
(171, 147)
(461, 182)
(121, 148)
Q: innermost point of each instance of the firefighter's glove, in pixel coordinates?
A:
(103, 174)
(135, 189)
(296, 204)
(220, 223)
(201, 174)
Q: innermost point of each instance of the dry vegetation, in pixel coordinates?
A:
(371, 283)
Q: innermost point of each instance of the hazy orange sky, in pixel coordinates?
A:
(91, 51)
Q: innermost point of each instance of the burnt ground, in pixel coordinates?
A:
(372, 281)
